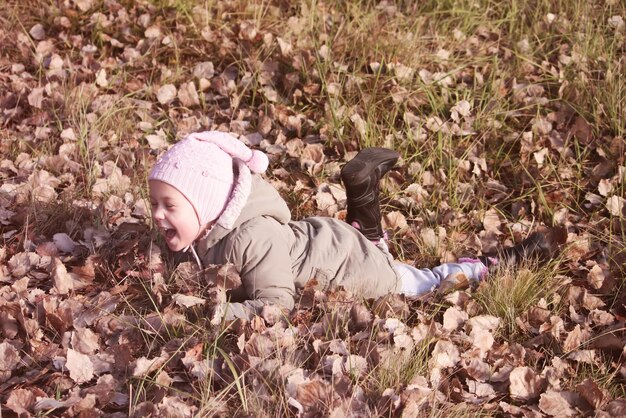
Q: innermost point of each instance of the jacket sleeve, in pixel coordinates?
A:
(260, 253)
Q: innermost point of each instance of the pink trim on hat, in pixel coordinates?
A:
(238, 197)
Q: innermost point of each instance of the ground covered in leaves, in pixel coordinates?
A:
(508, 118)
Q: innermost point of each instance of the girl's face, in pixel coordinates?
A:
(174, 215)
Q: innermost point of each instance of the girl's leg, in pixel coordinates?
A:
(361, 177)
(416, 281)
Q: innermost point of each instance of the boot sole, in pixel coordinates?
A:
(359, 168)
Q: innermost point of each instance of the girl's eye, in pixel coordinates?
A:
(169, 206)
(153, 204)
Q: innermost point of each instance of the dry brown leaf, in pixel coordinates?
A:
(615, 205)
(579, 297)
(557, 404)
(80, 366)
(525, 384)
(187, 301)
(85, 341)
(491, 222)
(454, 318)
(481, 390)
(166, 94)
(104, 389)
(325, 201)
(312, 158)
(601, 318)
(395, 220)
(478, 369)
(174, 407)
(35, 97)
(591, 392)
(188, 95)
(581, 130)
(21, 401)
(431, 239)
(482, 339)
(272, 314)
(315, 396)
(576, 338)
(484, 322)
(596, 276)
(445, 354)
(64, 243)
(584, 356)
(260, 346)
(9, 357)
(617, 408)
(63, 281)
(144, 366)
(22, 263)
(605, 187)
(8, 325)
(83, 5)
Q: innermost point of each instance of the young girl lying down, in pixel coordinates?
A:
(208, 197)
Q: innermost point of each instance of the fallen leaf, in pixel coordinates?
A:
(591, 392)
(35, 97)
(37, 32)
(144, 366)
(187, 301)
(166, 94)
(491, 222)
(460, 110)
(63, 281)
(454, 318)
(315, 396)
(64, 243)
(79, 365)
(525, 384)
(576, 338)
(9, 357)
(604, 187)
(101, 78)
(395, 220)
(85, 341)
(445, 354)
(596, 277)
(21, 401)
(83, 5)
(615, 205)
(583, 356)
(204, 70)
(174, 407)
(557, 404)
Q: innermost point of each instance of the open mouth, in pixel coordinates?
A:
(169, 233)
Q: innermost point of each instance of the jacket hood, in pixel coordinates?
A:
(252, 197)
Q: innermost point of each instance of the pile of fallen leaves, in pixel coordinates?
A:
(96, 320)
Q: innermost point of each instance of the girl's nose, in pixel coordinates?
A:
(158, 213)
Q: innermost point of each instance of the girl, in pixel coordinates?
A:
(207, 197)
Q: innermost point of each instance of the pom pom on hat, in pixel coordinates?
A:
(200, 166)
(256, 161)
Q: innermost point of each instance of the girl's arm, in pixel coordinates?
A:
(261, 255)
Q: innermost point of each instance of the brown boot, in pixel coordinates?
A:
(361, 177)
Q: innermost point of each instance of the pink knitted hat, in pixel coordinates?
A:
(200, 166)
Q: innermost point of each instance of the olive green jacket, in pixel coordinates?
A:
(275, 256)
